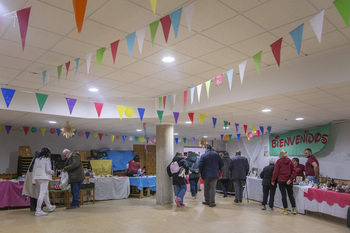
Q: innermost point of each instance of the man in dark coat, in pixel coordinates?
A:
(266, 175)
(76, 175)
(209, 165)
(239, 168)
(226, 175)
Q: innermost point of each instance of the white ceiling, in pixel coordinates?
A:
(224, 33)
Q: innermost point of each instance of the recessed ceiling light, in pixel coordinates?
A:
(266, 110)
(168, 59)
(225, 127)
(176, 133)
(139, 130)
(205, 136)
(188, 122)
(93, 89)
(299, 119)
(52, 122)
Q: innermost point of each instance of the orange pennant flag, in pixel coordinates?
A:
(79, 11)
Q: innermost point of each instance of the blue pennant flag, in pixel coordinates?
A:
(175, 20)
(214, 121)
(77, 65)
(130, 39)
(44, 75)
(297, 35)
(8, 95)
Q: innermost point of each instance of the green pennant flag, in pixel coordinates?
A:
(99, 55)
(257, 61)
(160, 115)
(184, 139)
(230, 136)
(136, 138)
(41, 98)
(160, 101)
(207, 85)
(343, 7)
(153, 26)
(225, 124)
(59, 70)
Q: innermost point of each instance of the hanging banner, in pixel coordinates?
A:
(202, 116)
(185, 97)
(153, 26)
(112, 137)
(130, 39)
(121, 110)
(71, 104)
(43, 130)
(41, 98)
(160, 115)
(343, 7)
(25, 128)
(67, 67)
(87, 134)
(188, 11)
(229, 77)
(297, 35)
(154, 6)
(166, 24)
(100, 135)
(114, 49)
(257, 61)
(296, 141)
(192, 94)
(317, 25)
(98, 107)
(44, 76)
(191, 115)
(199, 89)
(276, 50)
(76, 65)
(176, 116)
(141, 112)
(175, 20)
(88, 62)
(164, 101)
(184, 139)
(140, 34)
(79, 11)
(8, 95)
(59, 70)
(23, 20)
(58, 131)
(99, 56)
(214, 122)
(241, 67)
(8, 128)
(218, 80)
(207, 86)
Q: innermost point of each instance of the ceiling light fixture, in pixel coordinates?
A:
(52, 122)
(93, 89)
(176, 134)
(139, 130)
(168, 59)
(205, 136)
(225, 127)
(266, 110)
(299, 119)
(188, 122)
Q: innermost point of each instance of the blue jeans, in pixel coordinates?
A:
(75, 189)
(180, 191)
(312, 178)
(193, 186)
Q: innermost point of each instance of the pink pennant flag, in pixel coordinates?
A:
(185, 97)
(114, 49)
(218, 79)
(164, 101)
(98, 107)
(276, 50)
(257, 133)
(23, 20)
(166, 24)
(67, 67)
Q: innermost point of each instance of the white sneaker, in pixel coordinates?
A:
(52, 208)
(271, 209)
(40, 213)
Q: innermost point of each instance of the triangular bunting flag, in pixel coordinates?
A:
(207, 86)
(202, 116)
(174, 98)
(222, 137)
(192, 94)
(276, 50)
(242, 70)
(154, 6)
(98, 107)
(23, 20)
(269, 129)
(41, 98)
(225, 125)
(87, 134)
(71, 104)
(79, 11)
(185, 97)
(176, 140)
(253, 129)
(100, 135)
(141, 112)
(237, 125)
(214, 122)
(262, 129)
(8, 95)
(184, 139)
(140, 34)
(193, 140)
(136, 138)
(25, 128)
(114, 49)
(238, 136)
(130, 39)
(188, 11)
(160, 115)
(76, 65)
(175, 20)
(258, 133)
(99, 55)
(245, 128)
(44, 75)
(88, 62)
(229, 77)
(317, 24)
(112, 137)
(160, 101)
(166, 24)
(43, 130)
(297, 35)
(153, 26)
(199, 90)
(124, 138)
(58, 131)
(121, 111)
(67, 67)
(164, 101)
(8, 128)
(218, 80)
(59, 70)
(176, 116)
(190, 115)
(169, 99)
(343, 7)
(230, 137)
(257, 61)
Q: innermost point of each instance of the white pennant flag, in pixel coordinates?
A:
(317, 24)
(140, 34)
(192, 94)
(229, 77)
(188, 10)
(199, 89)
(88, 62)
(242, 70)
(174, 98)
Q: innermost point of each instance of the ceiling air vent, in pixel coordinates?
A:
(340, 121)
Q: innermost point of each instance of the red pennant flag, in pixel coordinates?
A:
(166, 24)
(98, 107)
(185, 97)
(67, 67)
(25, 128)
(164, 101)
(100, 136)
(257, 133)
(276, 50)
(114, 49)
(23, 19)
(79, 11)
(245, 128)
(191, 114)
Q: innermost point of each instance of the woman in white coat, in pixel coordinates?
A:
(42, 174)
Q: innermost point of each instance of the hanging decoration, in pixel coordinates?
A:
(238, 136)
(33, 130)
(44, 76)
(160, 115)
(245, 128)
(52, 130)
(175, 20)
(297, 35)
(202, 116)
(129, 112)
(76, 65)
(58, 131)
(184, 139)
(141, 113)
(71, 104)
(23, 20)
(154, 27)
(257, 61)
(185, 97)
(343, 7)
(214, 121)
(199, 90)
(218, 80)
(100, 135)
(164, 101)
(190, 115)
(67, 67)
(236, 125)
(229, 77)
(242, 70)
(207, 86)
(98, 107)
(8, 95)
(193, 140)
(192, 94)
(59, 71)
(154, 6)
(88, 62)
(203, 142)
(41, 98)
(130, 39)
(222, 137)
(87, 134)
(99, 56)
(276, 50)
(176, 116)
(121, 111)
(67, 130)
(317, 25)
(8, 129)
(26, 129)
(225, 125)
(140, 34)
(176, 141)
(43, 130)
(114, 49)
(79, 12)
(262, 129)
(166, 24)
(189, 10)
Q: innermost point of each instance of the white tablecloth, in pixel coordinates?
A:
(107, 188)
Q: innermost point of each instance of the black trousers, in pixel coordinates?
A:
(283, 187)
(269, 189)
(224, 184)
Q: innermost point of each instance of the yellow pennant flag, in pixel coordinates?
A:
(202, 116)
(112, 137)
(253, 128)
(43, 130)
(154, 6)
(95, 135)
(207, 85)
(0, 127)
(247, 136)
(121, 111)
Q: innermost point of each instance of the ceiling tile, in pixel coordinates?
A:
(190, 82)
(68, 5)
(74, 48)
(335, 18)
(194, 67)
(223, 57)
(55, 59)
(242, 5)
(157, 58)
(13, 49)
(56, 89)
(25, 84)
(131, 88)
(170, 75)
(149, 82)
(14, 63)
(143, 68)
(106, 83)
(124, 76)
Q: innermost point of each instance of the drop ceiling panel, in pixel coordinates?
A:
(242, 5)
(194, 67)
(67, 5)
(335, 18)
(149, 82)
(74, 48)
(223, 57)
(13, 49)
(157, 58)
(144, 68)
(25, 84)
(170, 75)
(124, 76)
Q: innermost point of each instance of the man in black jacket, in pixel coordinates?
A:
(266, 175)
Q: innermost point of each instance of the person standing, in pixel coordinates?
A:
(266, 175)
(209, 165)
(312, 168)
(29, 189)
(299, 167)
(42, 174)
(192, 161)
(284, 172)
(225, 180)
(181, 169)
(239, 168)
(74, 168)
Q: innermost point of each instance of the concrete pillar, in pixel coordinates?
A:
(165, 154)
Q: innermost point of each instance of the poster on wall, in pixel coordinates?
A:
(296, 141)
(266, 151)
